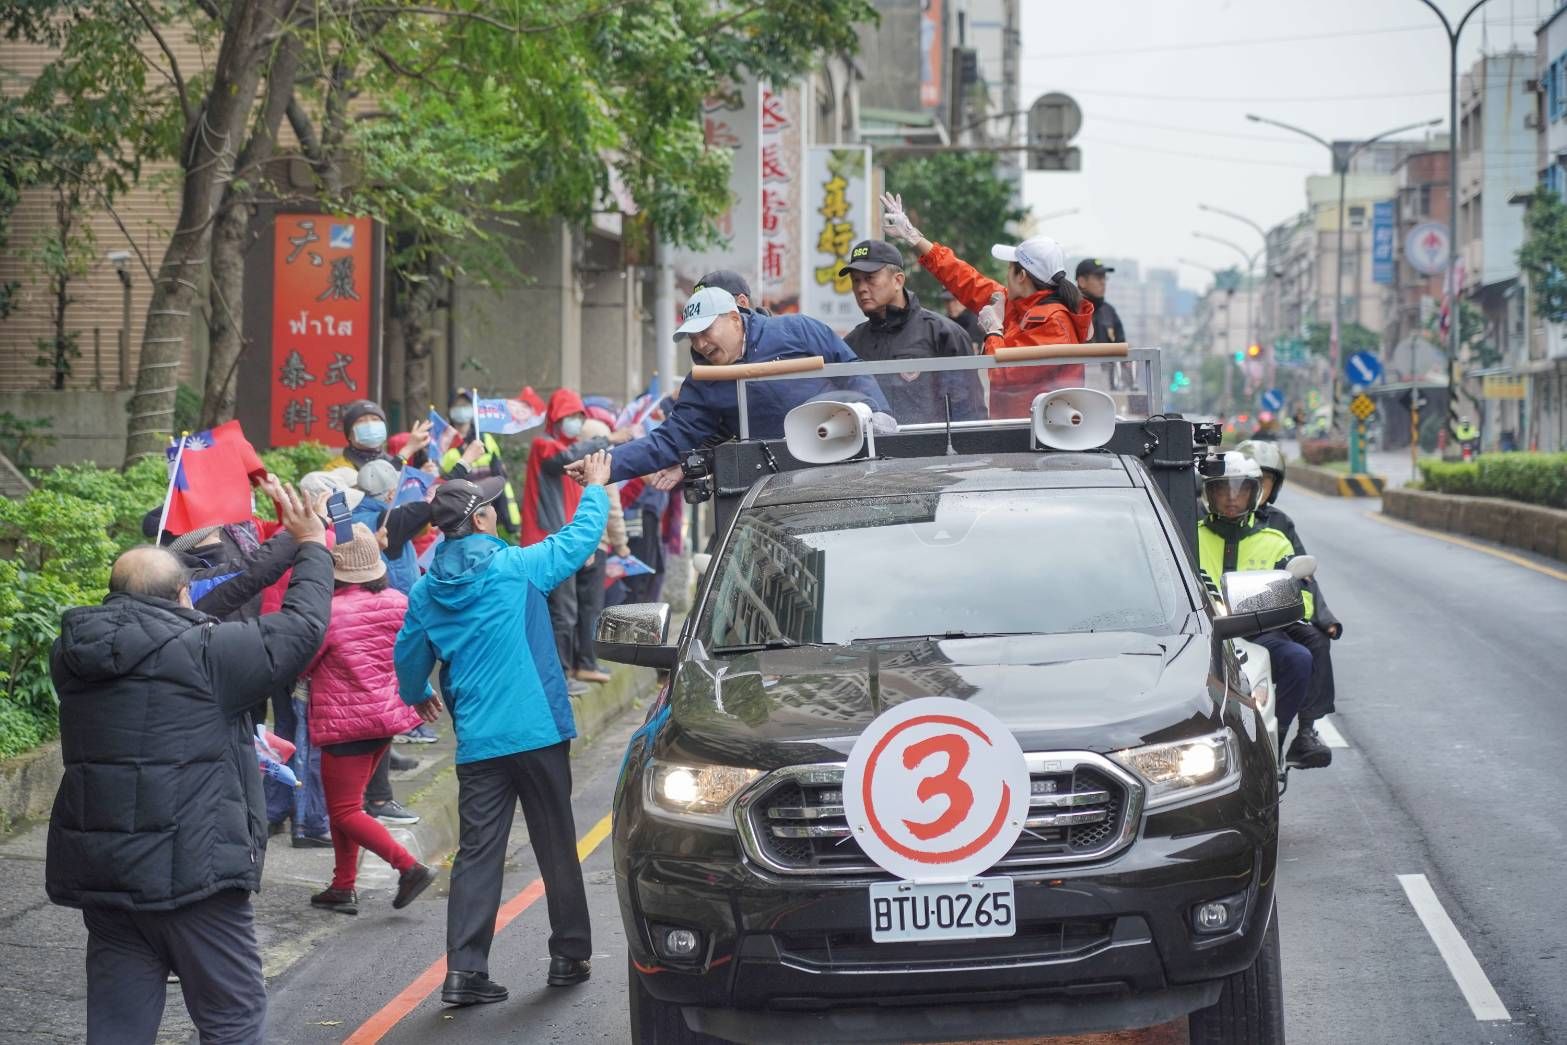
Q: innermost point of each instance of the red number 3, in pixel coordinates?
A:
(949, 782)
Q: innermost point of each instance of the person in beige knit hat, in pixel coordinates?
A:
(355, 712)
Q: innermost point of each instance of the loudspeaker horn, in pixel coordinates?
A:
(822, 432)
(1073, 419)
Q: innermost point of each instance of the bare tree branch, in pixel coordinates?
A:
(168, 52)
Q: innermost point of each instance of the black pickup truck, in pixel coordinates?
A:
(1055, 590)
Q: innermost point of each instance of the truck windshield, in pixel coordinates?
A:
(944, 565)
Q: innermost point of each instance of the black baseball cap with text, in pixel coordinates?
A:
(456, 500)
(870, 255)
(1093, 267)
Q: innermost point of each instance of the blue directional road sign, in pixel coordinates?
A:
(1362, 369)
(1273, 400)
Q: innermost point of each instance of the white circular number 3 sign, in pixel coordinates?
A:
(936, 789)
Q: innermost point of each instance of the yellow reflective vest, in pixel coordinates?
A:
(1223, 547)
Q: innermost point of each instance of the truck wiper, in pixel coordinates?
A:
(759, 647)
(954, 634)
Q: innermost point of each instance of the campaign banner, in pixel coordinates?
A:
(1382, 242)
(931, 50)
(323, 295)
(838, 214)
(731, 121)
(508, 416)
(783, 177)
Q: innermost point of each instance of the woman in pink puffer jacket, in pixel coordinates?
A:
(354, 714)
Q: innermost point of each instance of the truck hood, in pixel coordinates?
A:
(1098, 691)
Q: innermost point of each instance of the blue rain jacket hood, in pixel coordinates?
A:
(500, 676)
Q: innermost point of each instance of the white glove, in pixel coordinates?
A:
(991, 316)
(895, 223)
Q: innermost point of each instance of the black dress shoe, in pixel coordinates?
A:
(566, 971)
(312, 842)
(471, 988)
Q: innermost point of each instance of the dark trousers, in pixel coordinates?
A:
(575, 607)
(1320, 693)
(379, 790)
(211, 944)
(487, 796)
(1291, 675)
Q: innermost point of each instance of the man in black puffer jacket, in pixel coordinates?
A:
(158, 832)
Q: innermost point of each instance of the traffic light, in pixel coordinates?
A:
(1254, 351)
(1179, 381)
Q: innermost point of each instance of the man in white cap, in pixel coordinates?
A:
(719, 333)
(1038, 305)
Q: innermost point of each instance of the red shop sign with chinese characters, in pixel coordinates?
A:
(322, 295)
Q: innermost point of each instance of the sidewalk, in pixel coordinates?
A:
(42, 946)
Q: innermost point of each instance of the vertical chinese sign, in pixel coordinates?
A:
(1382, 242)
(930, 54)
(782, 177)
(731, 122)
(322, 294)
(838, 213)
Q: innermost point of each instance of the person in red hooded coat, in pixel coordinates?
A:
(549, 500)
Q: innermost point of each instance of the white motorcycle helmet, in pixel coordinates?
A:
(1241, 475)
(1269, 458)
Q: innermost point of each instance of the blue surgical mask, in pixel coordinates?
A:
(462, 414)
(370, 434)
(571, 427)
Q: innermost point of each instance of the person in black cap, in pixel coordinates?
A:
(896, 327)
(1091, 273)
(480, 613)
(735, 283)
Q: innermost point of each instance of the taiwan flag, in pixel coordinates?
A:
(212, 484)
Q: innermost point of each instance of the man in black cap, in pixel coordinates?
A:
(896, 327)
(735, 283)
(1091, 273)
(480, 613)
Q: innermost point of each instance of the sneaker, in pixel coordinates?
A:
(312, 841)
(343, 901)
(400, 763)
(410, 884)
(420, 734)
(1307, 750)
(592, 675)
(391, 813)
(575, 688)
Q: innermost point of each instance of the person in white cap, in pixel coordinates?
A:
(720, 333)
(1038, 305)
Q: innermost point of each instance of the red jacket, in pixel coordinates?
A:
(353, 680)
(549, 496)
(1038, 319)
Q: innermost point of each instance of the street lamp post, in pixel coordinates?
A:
(1455, 315)
(1262, 233)
(1251, 280)
(1341, 162)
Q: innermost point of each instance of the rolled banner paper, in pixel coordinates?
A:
(1021, 353)
(748, 371)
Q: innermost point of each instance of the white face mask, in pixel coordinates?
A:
(462, 414)
(571, 427)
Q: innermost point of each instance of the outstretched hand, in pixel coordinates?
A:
(299, 518)
(895, 222)
(596, 468)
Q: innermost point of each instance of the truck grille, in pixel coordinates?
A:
(1082, 807)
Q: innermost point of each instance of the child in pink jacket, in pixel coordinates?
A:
(354, 714)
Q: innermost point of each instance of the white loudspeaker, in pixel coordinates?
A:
(823, 432)
(1073, 419)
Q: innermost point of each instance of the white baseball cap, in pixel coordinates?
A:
(1040, 256)
(705, 306)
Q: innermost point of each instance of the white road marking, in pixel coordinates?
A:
(1330, 734)
(1483, 1000)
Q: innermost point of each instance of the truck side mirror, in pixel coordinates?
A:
(1258, 601)
(636, 633)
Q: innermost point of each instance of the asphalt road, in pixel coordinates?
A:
(1451, 706)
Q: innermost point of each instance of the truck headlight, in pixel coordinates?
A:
(700, 793)
(1185, 769)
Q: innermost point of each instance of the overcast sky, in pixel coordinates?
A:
(1165, 86)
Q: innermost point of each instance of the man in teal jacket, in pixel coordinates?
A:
(481, 614)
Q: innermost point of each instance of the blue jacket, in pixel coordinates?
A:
(708, 411)
(481, 612)
(402, 570)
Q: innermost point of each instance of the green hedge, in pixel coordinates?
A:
(1528, 477)
(56, 547)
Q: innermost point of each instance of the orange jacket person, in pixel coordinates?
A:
(1038, 305)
